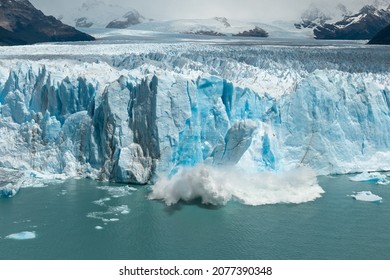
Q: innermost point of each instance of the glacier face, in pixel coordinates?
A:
(125, 112)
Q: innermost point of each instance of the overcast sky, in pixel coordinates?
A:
(259, 10)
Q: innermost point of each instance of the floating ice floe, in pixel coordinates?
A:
(11, 181)
(62, 193)
(374, 177)
(366, 196)
(25, 235)
(9, 190)
(102, 201)
(111, 211)
(117, 192)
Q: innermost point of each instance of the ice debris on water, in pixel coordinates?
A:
(11, 181)
(9, 190)
(117, 192)
(25, 235)
(102, 201)
(106, 216)
(366, 196)
(374, 177)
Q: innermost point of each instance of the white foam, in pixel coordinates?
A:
(122, 209)
(370, 177)
(217, 186)
(111, 211)
(62, 193)
(117, 192)
(366, 196)
(25, 235)
(98, 227)
(102, 201)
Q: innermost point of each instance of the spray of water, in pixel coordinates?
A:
(217, 186)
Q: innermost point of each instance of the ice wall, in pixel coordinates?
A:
(128, 117)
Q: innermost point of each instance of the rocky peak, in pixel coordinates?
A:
(132, 17)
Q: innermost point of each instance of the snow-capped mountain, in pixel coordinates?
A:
(363, 25)
(382, 37)
(131, 18)
(100, 14)
(318, 14)
(21, 23)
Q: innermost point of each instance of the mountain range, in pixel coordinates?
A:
(363, 25)
(100, 14)
(21, 23)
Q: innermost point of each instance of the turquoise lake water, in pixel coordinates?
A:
(64, 218)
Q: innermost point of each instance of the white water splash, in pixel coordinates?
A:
(217, 186)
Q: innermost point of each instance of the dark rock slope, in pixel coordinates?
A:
(382, 38)
(21, 23)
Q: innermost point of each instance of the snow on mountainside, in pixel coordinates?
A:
(100, 14)
(319, 14)
(132, 17)
(126, 112)
(221, 26)
(363, 25)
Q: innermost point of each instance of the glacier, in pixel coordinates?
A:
(131, 112)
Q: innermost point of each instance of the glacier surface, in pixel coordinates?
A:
(126, 112)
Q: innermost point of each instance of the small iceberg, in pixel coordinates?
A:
(25, 235)
(9, 190)
(366, 196)
(374, 177)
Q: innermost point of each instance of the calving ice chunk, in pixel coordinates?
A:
(219, 185)
(145, 109)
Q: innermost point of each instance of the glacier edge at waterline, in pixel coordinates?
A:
(127, 117)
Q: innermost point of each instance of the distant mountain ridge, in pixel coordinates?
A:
(361, 26)
(101, 14)
(339, 23)
(316, 15)
(21, 23)
(132, 17)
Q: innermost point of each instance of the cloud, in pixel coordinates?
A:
(256, 10)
